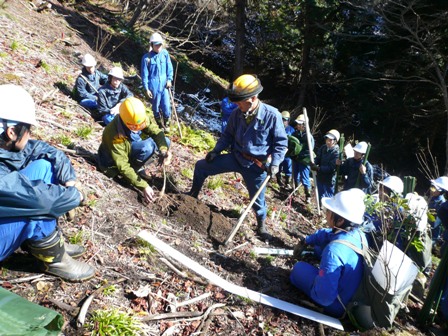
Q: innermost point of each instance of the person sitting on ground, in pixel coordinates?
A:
(111, 95)
(358, 174)
(301, 162)
(38, 186)
(286, 165)
(334, 283)
(88, 83)
(325, 164)
(437, 191)
(157, 77)
(128, 142)
(227, 108)
(254, 132)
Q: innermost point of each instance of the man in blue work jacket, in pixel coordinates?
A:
(254, 133)
(157, 77)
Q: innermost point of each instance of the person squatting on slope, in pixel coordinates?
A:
(325, 164)
(358, 174)
(128, 142)
(157, 77)
(254, 132)
(88, 83)
(437, 191)
(112, 94)
(301, 162)
(37, 186)
(286, 165)
(340, 271)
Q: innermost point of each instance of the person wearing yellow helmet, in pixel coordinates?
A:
(88, 83)
(37, 186)
(325, 164)
(112, 94)
(128, 142)
(254, 133)
(157, 77)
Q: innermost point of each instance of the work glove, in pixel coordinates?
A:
(314, 167)
(168, 84)
(299, 248)
(211, 156)
(273, 170)
(149, 94)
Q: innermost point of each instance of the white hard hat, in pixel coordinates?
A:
(333, 134)
(16, 106)
(156, 38)
(441, 182)
(88, 60)
(418, 208)
(394, 183)
(116, 72)
(361, 147)
(348, 204)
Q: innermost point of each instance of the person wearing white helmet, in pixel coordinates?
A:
(325, 164)
(88, 83)
(340, 271)
(301, 162)
(358, 174)
(157, 77)
(286, 165)
(439, 187)
(389, 187)
(38, 186)
(112, 94)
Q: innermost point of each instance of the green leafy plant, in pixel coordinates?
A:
(66, 141)
(215, 182)
(187, 172)
(84, 131)
(15, 45)
(109, 290)
(197, 139)
(45, 66)
(145, 248)
(3, 54)
(77, 238)
(114, 323)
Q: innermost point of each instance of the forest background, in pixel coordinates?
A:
(374, 70)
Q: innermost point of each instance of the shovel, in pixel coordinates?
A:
(252, 201)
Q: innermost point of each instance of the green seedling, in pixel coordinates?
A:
(84, 131)
(114, 323)
(187, 172)
(77, 238)
(215, 182)
(66, 141)
(145, 248)
(109, 290)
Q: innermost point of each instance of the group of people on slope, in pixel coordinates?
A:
(105, 93)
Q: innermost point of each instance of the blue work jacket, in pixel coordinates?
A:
(20, 197)
(340, 269)
(326, 159)
(350, 169)
(264, 136)
(84, 90)
(108, 97)
(156, 70)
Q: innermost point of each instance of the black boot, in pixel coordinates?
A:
(159, 123)
(55, 260)
(279, 179)
(288, 185)
(307, 195)
(261, 230)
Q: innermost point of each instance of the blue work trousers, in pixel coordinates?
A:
(161, 101)
(325, 190)
(89, 103)
(141, 151)
(16, 230)
(253, 177)
(301, 174)
(286, 166)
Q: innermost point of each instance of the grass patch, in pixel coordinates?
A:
(84, 131)
(145, 248)
(109, 290)
(3, 54)
(187, 172)
(77, 238)
(215, 182)
(15, 45)
(66, 141)
(114, 323)
(197, 139)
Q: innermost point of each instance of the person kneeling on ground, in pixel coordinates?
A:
(129, 142)
(334, 283)
(111, 95)
(37, 186)
(88, 83)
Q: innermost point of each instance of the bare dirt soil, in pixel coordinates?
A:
(41, 51)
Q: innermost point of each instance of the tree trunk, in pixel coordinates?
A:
(240, 20)
(137, 12)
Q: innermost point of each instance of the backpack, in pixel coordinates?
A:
(377, 300)
(294, 146)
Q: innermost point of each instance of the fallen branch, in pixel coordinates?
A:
(68, 129)
(236, 247)
(72, 310)
(20, 280)
(205, 320)
(193, 300)
(173, 268)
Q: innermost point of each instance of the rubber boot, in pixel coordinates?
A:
(193, 193)
(307, 195)
(261, 230)
(288, 185)
(159, 123)
(55, 260)
(279, 180)
(73, 250)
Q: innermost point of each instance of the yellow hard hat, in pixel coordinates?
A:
(300, 119)
(244, 87)
(286, 115)
(133, 114)
(333, 134)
